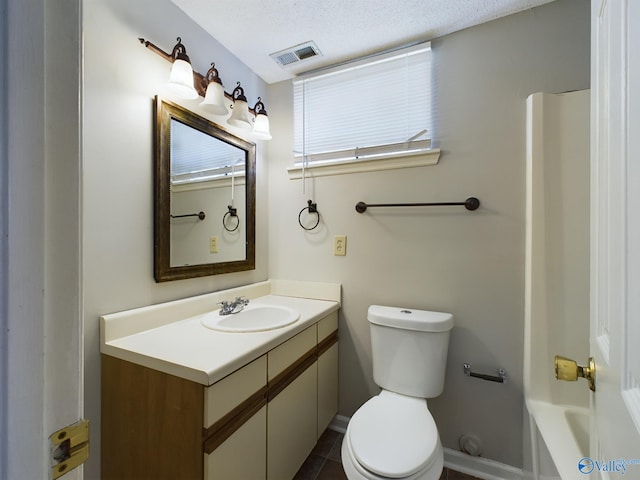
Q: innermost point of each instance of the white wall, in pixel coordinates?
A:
(471, 264)
(193, 234)
(467, 263)
(120, 79)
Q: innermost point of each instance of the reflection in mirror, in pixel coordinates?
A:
(207, 175)
(205, 197)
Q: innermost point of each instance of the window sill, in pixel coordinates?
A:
(207, 184)
(357, 166)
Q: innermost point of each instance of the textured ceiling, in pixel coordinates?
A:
(342, 29)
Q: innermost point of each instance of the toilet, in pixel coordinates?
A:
(393, 435)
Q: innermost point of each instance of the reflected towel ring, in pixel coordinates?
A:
(313, 208)
(233, 212)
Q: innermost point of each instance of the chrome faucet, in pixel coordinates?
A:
(236, 306)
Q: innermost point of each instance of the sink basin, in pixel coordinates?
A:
(254, 318)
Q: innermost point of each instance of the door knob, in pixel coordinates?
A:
(569, 370)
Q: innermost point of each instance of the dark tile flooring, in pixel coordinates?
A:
(324, 462)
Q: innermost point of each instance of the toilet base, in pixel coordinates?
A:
(354, 471)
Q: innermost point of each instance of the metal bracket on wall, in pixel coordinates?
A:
(500, 378)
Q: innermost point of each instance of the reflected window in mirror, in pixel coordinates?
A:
(205, 197)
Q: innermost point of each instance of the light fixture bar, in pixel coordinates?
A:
(200, 82)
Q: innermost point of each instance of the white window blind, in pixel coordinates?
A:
(198, 157)
(376, 107)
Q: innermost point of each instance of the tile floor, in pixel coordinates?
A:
(324, 462)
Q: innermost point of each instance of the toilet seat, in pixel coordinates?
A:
(393, 436)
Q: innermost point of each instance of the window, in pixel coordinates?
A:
(376, 108)
(198, 157)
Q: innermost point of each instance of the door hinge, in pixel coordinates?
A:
(69, 448)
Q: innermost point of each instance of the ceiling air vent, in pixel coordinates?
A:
(296, 54)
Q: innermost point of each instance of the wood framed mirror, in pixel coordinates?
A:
(205, 180)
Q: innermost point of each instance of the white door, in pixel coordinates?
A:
(41, 340)
(615, 239)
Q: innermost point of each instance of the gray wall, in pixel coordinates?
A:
(4, 208)
(469, 264)
(120, 79)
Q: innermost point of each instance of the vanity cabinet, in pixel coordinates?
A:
(292, 409)
(235, 424)
(260, 422)
(151, 423)
(327, 371)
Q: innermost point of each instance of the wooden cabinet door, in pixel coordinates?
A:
(236, 425)
(292, 426)
(327, 387)
(243, 455)
(327, 370)
(293, 404)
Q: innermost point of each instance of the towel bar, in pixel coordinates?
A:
(500, 378)
(471, 203)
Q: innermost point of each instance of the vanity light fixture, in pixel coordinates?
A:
(261, 122)
(189, 84)
(239, 110)
(181, 77)
(214, 100)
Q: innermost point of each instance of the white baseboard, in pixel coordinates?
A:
(339, 423)
(480, 467)
(461, 462)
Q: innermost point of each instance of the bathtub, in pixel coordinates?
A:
(557, 279)
(564, 429)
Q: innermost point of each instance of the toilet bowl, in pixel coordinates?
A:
(393, 434)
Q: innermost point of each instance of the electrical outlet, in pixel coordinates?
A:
(340, 245)
(213, 245)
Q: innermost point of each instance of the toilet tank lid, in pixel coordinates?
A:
(410, 318)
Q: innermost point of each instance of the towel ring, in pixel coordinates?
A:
(233, 212)
(313, 208)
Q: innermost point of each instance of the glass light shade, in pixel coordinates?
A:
(261, 127)
(240, 115)
(214, 100)
(181, 80)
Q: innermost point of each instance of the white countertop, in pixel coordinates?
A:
(187, 349)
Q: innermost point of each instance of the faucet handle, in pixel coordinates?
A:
(225, 307)
(242, 300)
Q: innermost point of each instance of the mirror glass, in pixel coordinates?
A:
(205, 197)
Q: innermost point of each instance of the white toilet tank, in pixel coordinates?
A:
(409, 349)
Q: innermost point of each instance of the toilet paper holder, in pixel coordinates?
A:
(500, 378)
